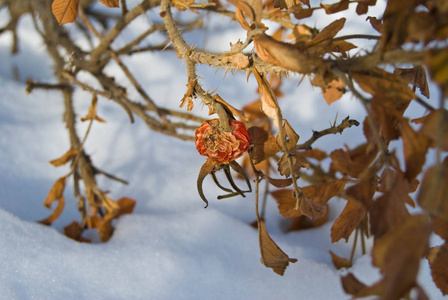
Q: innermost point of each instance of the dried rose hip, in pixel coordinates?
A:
(222, 147)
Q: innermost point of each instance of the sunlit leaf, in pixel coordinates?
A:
(111, 3)
(65, 11)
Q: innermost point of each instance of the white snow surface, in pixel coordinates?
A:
(170, 247)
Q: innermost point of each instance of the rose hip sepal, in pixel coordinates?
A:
(222, 148)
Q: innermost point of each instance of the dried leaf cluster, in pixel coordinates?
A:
(376, 185)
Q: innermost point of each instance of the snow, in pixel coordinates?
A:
(170, 247)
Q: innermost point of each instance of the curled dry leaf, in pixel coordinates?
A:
(189, 95)
(415, 76)
(65, 11)
(291, 137)
(230, 109)
(92, 113)
(206, 169)
(126, 206)
(271, 254)
(64, 158)
(340, 262)
(74, 231)
(267, 98)
(284, 55)
(56, 193)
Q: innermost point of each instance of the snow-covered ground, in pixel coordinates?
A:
(170, 247)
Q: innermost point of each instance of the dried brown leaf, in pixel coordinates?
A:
(415, 147)
(253, 111)
(284, 55)
(323, 192)
(433, 128)
(298, 162)
(111, 3)
(333, 91)
(64, 158)
(335, 7)
(434, 190)
(65, 11)
(353, 162)
(279, 183)
(340, 262)
(351, 284)
(264, 144)
(291, 137)
(398, 253)
(243, 6)
(301, 13)
(363, 6)
(56, 212)
(389, 210)
(387, 84)
(437, 62)
(105, 230)
(287, 203)
(438, 260)
(376, 24)
(359, 200)
(271, 254)
(312, 209)
(74, 231)
(126, 206)
(92, 113)
(268, 103)
(352, 215)
(232, 110)
(328, 32)
(440, 227)
(284, 4)
(415, 76)
(56, 193)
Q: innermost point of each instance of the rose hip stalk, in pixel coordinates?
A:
(222, 148)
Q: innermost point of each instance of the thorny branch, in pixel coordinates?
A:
(330, 67)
